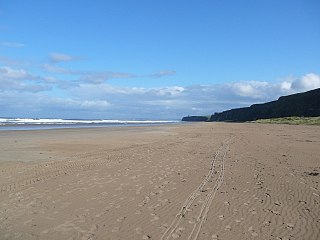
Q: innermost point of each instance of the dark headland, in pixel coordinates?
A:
(306, 104)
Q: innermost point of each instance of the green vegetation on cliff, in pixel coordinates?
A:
(292, 120)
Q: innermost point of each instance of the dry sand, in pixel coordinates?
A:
(197, 181)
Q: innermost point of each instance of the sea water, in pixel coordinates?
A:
(50, 123)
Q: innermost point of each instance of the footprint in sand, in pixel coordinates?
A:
(178, 233)
(45, 231)
(214, 237)
(164, 226)
(147, 199)
(290, 225)
(175, 235)
(115, 229)
(267, 223)
(93, 228)
(155, 218)
(192, 221)
(275, 212)
(253, 211)
(120, 220)
(138, 230)
(283, 238)
(253, 233)
(228, 228)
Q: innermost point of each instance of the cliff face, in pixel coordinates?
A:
(305, 104)
(195, 119)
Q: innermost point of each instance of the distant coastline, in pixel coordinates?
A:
(306, 104)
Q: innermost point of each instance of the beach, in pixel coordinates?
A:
(184, 181)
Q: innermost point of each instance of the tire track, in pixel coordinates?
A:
(41, 176)
(79, 162)
(49, 170)
(201, 218)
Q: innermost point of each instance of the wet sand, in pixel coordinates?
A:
(194, 181)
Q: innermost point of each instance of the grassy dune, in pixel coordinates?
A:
(292, 120)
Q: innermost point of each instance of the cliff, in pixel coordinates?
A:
(196, 119)
(305, 104)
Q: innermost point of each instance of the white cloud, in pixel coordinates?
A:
(285, 86)
(169, 91)
(20, 80)
(177, 100)
(100, 77)
(100, 100)
(12, 44)
(244, 89)
(306, 82)
(162, 73)
(79, 104)
(95, 104)
(7, 72)
(56, 69)
(265, 91)
(61, 57)
(50, 79)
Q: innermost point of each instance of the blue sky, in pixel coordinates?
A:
(153, 59)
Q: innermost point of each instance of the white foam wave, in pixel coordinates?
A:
(7, 121)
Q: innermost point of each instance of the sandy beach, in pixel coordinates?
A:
(190, 181)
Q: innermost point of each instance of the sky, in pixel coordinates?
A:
(153, 59)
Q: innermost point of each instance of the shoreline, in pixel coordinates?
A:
(30, 127)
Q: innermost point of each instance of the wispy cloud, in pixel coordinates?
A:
(12, 44)
(10, 73)
(97, 77)
(9, 61)
(13, 80)
(80, 104)
(162, 73)
(53, 68)
(94, 77)
(61, 57)
(91, 76)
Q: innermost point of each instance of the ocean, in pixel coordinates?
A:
(50, 123)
